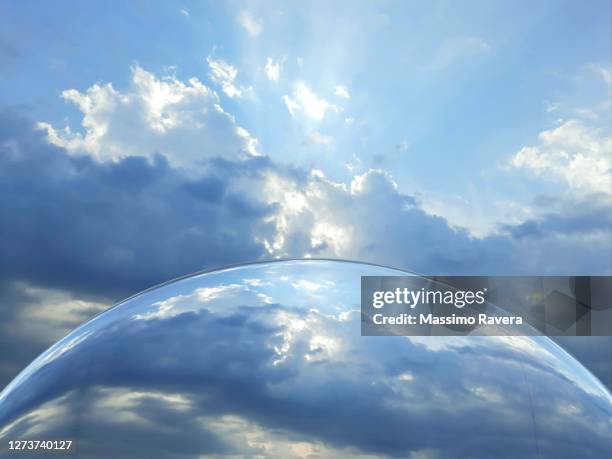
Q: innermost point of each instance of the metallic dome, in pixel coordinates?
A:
(267, 360)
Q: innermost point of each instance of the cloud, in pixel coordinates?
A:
(341, 91)
(604, 72)
(253, 26)
(594, 352)
(104, 230)
(316, 138)
(582, 219)
(33, 318)
(224, 75)
(369, 219)
(304, 100)
(116, 227)
(573, 153)
(354, 164)
(265, 210)
(184, 121)
(227, 377)
(273, 70)
(184, 12)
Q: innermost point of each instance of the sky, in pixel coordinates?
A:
(238, 363)
(141, 141)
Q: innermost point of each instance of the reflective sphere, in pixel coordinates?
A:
(268, 360)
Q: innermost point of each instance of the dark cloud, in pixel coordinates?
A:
(594, 352)
(232, 373)
(581, 218)
(115, 228)
(391, 228)
(32, 319)
(16, 350)
(106, 230)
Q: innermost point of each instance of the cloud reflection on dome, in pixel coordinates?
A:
(267, 359)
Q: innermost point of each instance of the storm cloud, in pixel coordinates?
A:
(118, 227)
(249, 360)
(101, 231)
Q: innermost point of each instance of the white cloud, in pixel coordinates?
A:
(369, 219)
(273, 70)
(323, 217)
(353, 164)
(292, 106)
(224, 75)
(182, 120)
(313, 215)
(342, 91)
(253, 26)
(306, 101)
(316, 138)
(184, 12)
(604, 72)
(250, 142)
(574, 153)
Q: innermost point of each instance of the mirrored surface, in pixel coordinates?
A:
(267, 360)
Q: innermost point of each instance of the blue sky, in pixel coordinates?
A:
(140, 141)
(441, 94)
